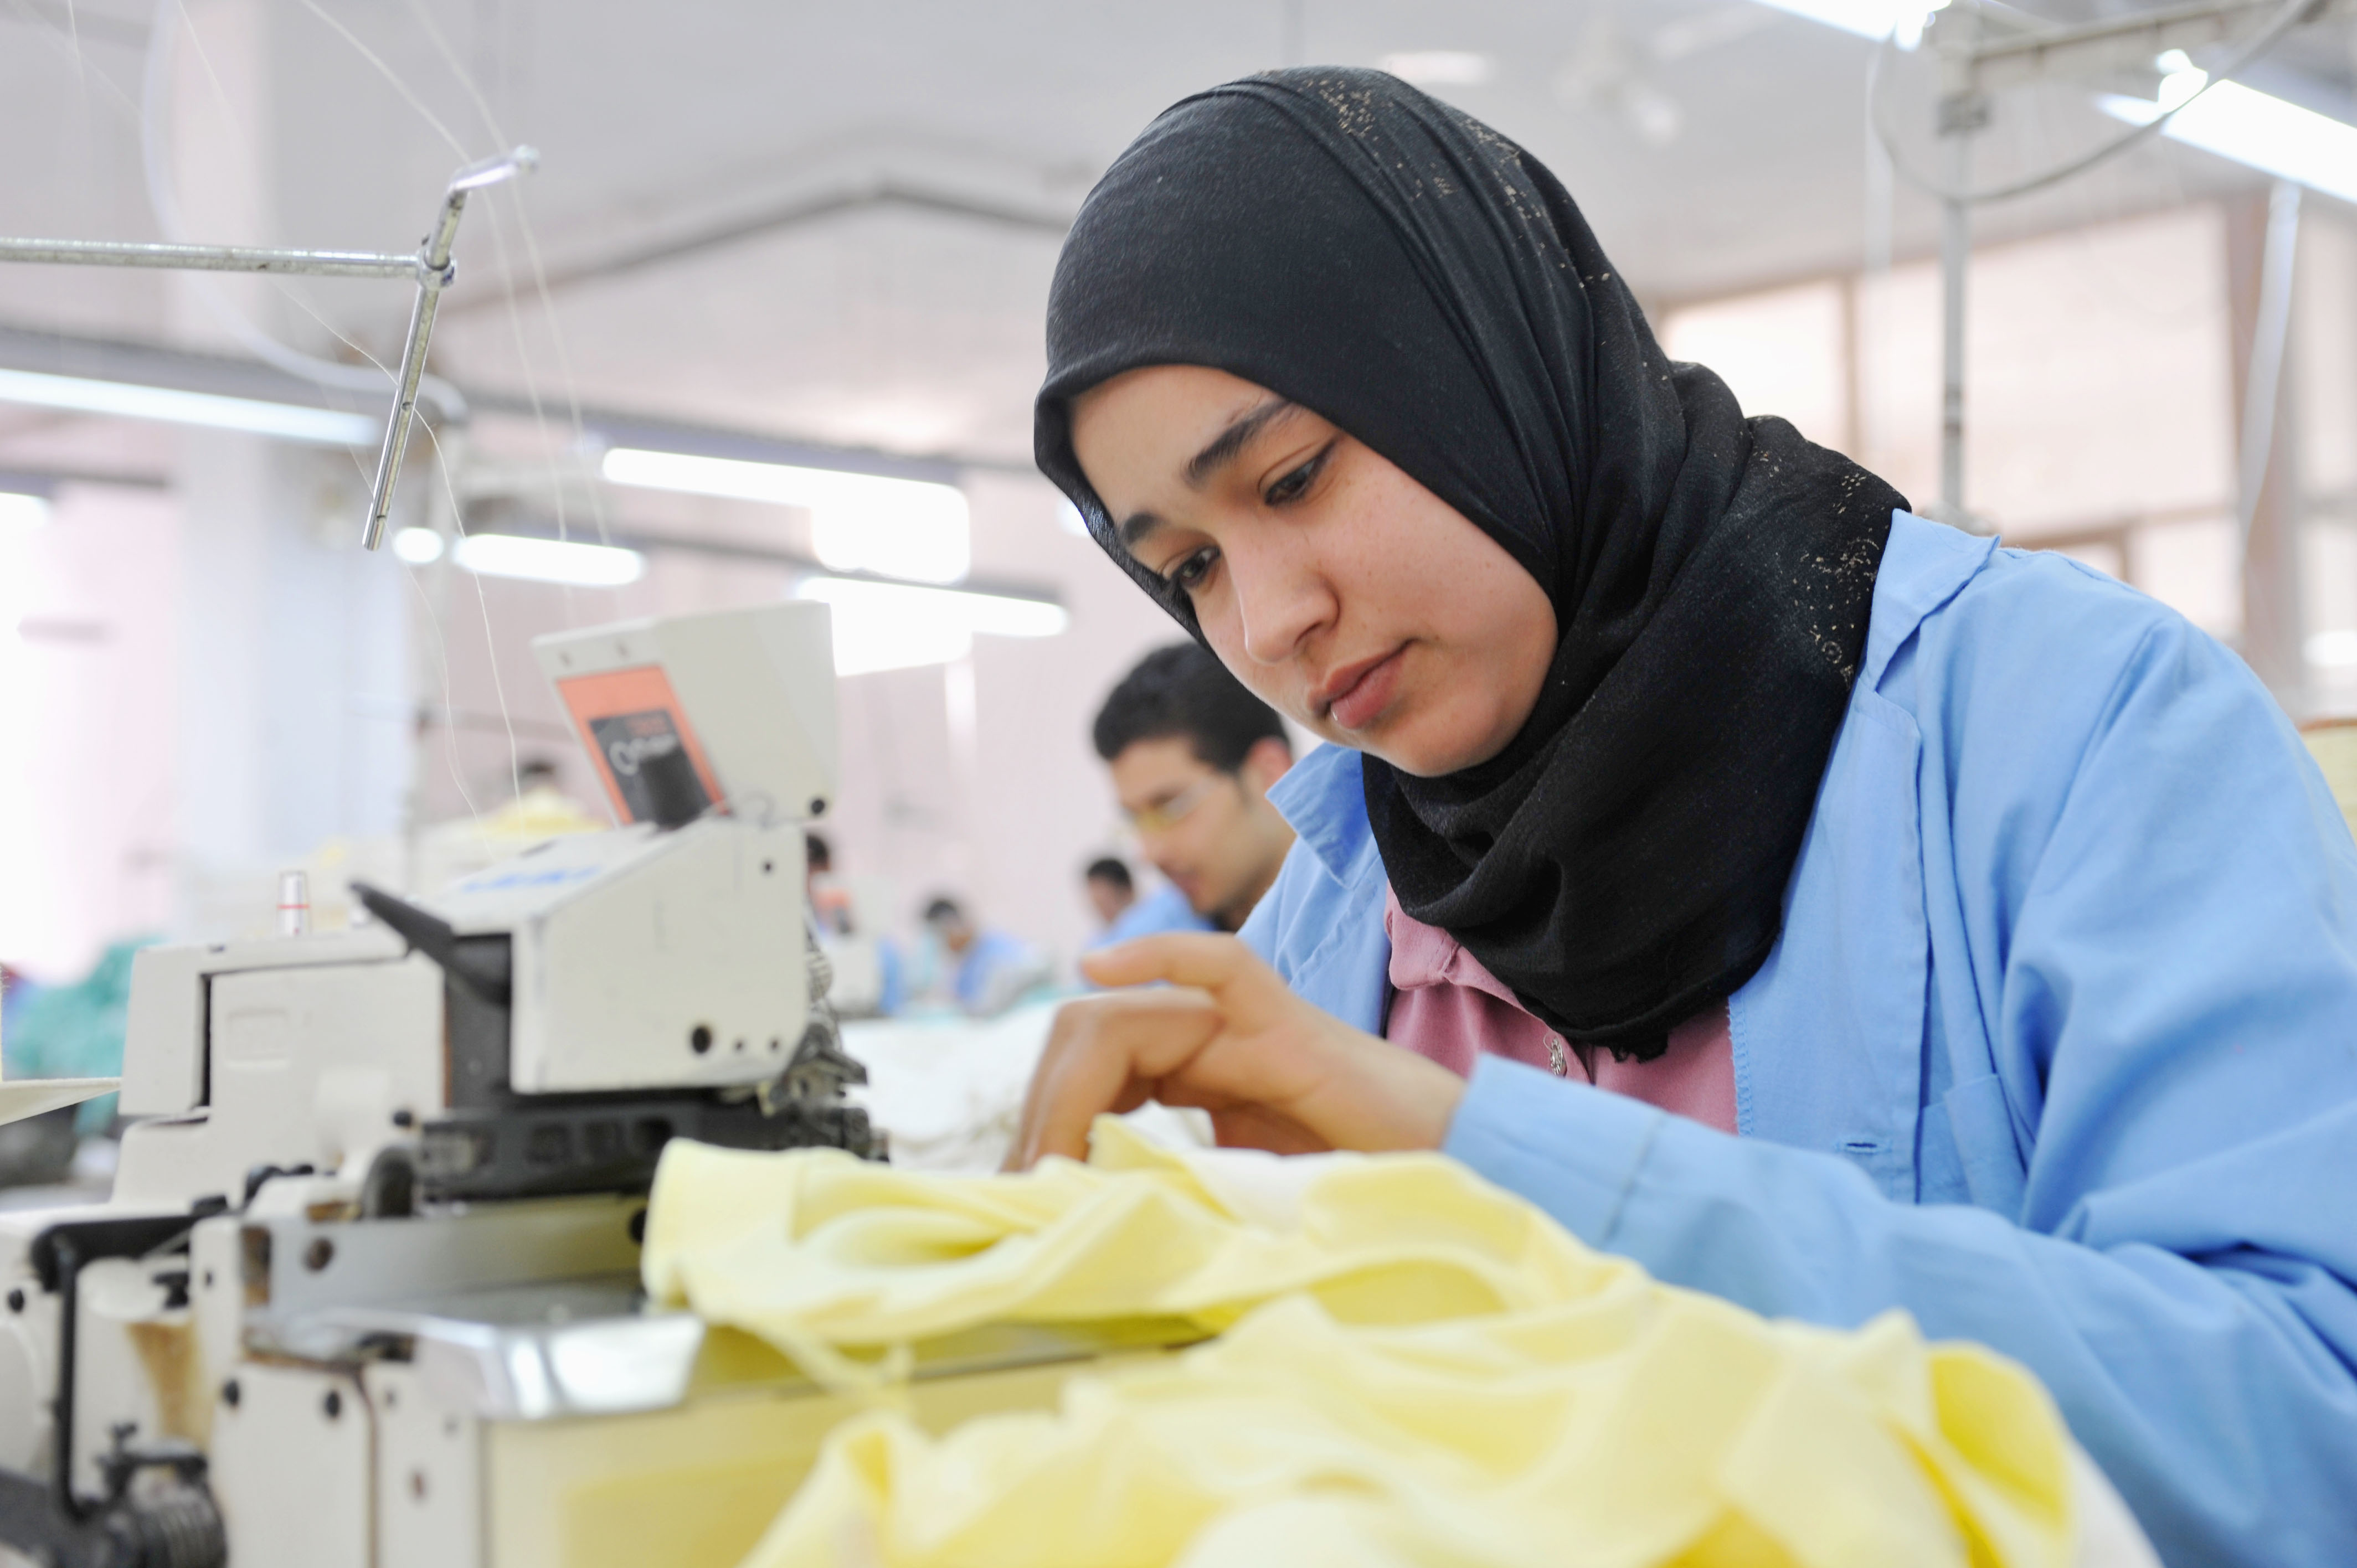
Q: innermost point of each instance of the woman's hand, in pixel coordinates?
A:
(1226, 1035)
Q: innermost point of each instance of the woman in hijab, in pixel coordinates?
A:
(1825, 908)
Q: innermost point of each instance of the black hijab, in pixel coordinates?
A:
(1403, 271)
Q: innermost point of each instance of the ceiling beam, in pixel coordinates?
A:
(865, 194)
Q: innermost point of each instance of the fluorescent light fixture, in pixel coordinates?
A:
(127, 400)
(21, 514)
(2251, 127)
(21, 517)
(897, 625)
(1069, 517)
(1440, 68)
(2333, 650)
(913, 528)
(417, 546)
(548, 559)
(1876, 19)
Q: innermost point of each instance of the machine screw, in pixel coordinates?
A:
(16, 1301)
(333, 1405)
(404, 1117)
(699, 1039)
(230, 1394)
(818, 807)
(318, 1254)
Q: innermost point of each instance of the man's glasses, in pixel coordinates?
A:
(1162, 818)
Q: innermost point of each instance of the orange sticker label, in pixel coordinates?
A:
(653, 768)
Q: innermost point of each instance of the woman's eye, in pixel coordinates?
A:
(1191, 572)
(1290, 486)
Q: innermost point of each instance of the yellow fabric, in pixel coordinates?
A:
(1415, 1367)
(2333, 744)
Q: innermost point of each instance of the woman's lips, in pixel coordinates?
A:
(1359, 702)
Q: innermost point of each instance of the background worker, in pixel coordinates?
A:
(1192, 755)
(986, 972)
(1111, 889)
(868, 981)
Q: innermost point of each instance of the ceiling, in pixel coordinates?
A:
(837, 222)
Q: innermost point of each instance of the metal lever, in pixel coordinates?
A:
(434, 276)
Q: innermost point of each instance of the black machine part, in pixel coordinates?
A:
(157, 1511)
(485, 966)
(493, 1143)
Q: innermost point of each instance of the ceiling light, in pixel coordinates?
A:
(1440, 68)
(417, 546)
(1876, 19)
(897, 625)
(128, 399)
(915, 529)
(20, 514)
(548, 559)
(2254, 128)
(21, 517)
(2333, 650)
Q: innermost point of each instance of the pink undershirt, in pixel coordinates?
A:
(1446, 1005)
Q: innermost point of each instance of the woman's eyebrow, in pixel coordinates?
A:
(1223, 446)
(1136, 528)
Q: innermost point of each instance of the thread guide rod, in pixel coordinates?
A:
(430, 267)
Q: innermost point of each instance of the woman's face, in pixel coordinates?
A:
(1345, 594)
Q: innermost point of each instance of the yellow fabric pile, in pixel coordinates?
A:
(1414, 1368)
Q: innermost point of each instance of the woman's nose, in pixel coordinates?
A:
(1282, 599)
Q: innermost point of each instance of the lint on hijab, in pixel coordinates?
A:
(1402, 270)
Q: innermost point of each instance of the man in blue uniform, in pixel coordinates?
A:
(1193, 756)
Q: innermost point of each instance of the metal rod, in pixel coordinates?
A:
(208, 258)
(434, 273)
(1961, 111)
(431, 268)
(1956, 265)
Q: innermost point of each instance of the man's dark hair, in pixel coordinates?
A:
(1108, 868)
(1183, 691)
(816, 852)
(945, 908)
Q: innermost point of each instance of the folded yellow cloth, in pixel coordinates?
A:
(1416, 1367)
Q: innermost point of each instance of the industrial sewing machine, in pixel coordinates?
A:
(366, 1291)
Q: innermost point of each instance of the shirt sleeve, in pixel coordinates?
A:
(2172, 962)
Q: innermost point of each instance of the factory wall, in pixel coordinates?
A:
(90, 620)
(2103, 372)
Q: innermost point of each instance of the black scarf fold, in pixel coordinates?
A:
(1411, 275)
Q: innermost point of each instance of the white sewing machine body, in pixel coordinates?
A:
(382, 1208)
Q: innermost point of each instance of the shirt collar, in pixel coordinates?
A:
(1924, 566)
(1323, 798)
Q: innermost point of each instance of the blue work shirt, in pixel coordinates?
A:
(2056, 1050)
(981, 968)
(1164, 910)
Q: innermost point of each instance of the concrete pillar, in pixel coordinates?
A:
(2274, 635)
(295, 675)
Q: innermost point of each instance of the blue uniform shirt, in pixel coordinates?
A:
(982, 968)
(2058, 1049)
(1164, 910)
